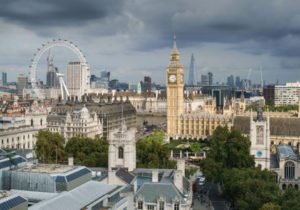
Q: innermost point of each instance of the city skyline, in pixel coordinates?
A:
(132, 39)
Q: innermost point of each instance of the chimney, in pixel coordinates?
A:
(178, 182)
(70, 161)
(179, 174)
(181, 166)
(155, 176)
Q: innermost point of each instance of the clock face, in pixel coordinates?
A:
(172, 78)
(259, 154)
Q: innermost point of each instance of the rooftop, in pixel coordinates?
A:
(47, 168)
(77, 198)
(286, 151)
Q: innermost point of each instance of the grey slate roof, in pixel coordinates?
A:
(279, 126)
(11, 202)
(286, 151)
(15, 160)
(151, 192)
(77, 198)
(125, 175)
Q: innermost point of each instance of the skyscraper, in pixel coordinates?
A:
(204, 79)
(77, 79)
(105, 76)
(191, 72)
(4, 78)
(210, 78)
(147, 84)
(230, 81)
(52, 79)
(22, 83)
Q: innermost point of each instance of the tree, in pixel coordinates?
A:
(290, 199)
(153, 153)
(270, 206)
(49, 147)
(250, 188)
(88, 152)
(229, 149)
(195, 147)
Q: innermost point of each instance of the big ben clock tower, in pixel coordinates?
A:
(175, 99)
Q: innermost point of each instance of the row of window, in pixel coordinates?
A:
(161, 206)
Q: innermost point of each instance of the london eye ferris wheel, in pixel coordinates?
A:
(36, 59)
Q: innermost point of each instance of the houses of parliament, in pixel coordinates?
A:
(182, 124)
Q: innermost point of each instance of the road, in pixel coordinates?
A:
(217, 201)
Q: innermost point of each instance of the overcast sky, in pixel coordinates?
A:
(133, 38)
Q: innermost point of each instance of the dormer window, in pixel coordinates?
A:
(176, 206)
(140, 205)
(161, 205)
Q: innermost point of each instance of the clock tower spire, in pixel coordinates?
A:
(175, 98)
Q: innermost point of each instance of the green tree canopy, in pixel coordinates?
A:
(49, 147)
(88, 152)
(270, 206)
(153, 153)
(229, 149)
(250, 188)
(290, 199)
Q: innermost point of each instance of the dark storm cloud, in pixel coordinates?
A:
(246, 32)
(194, 21)
(44, 13)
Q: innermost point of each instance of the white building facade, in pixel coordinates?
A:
(288, 94)
(78, 79)
(18, 132)
(80, 123)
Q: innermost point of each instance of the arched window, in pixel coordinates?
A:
(121, 152)
(31, 122)
(41, 122)
(284, 186)
(289, 170)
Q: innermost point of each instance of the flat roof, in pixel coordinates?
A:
(47, 168)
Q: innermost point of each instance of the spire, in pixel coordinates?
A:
(191, 72)
(175, 55)
(174, 50)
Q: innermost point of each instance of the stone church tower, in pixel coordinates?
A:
(121, 152)
(175, 83)
(260, 139)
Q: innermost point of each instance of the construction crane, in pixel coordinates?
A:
(246, 82)
(63, 86)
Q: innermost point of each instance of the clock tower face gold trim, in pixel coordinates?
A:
(172, 78)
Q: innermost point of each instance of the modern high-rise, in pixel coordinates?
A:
(22, 83)
(288, 94)
(105, 75)
(147, 84)
(230, 81)
(52, 79)
(210, 78)
(191, 72)
(204, 79)
(4, 78)
(78, 81)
